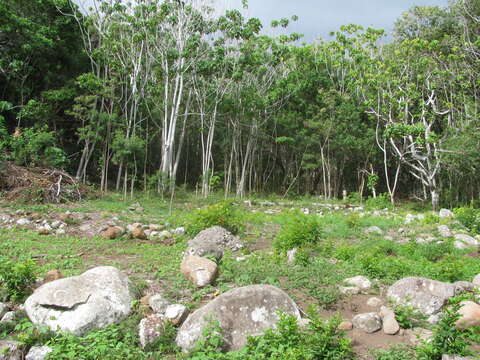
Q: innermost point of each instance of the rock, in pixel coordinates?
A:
(179, 231)
(390, 324)
(38, 353)
(56, 224)
(428, 296)
(345, 325)
(23, 221)
(435, 318)
(97, 298)
(470, 315)
(374, 230)
(445, 213)
(476, 280)
(291, 256)
(150, 329)
(112, 232)
(85, 228)
(213, 241)
(444, 231)
(10, 316)
(464, 241)
(65, 217)
(52, 275)
(241, 312)
(349, 290)
(164, 235)
(368, 322)
(138, 233)
(374, 302)
(360, 282)
(409, 218)
(456, 357)
(11, 350)
(198, 270)
(43, 230)
(463, 286)
(154, 227)
(158, 303)
(60, 232)
(176, 313)
(3, 309)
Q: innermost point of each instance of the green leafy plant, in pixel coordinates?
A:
(382, 201)
(223, 214)
(17, 277)
(469, 217)
(409, 317)
(299, 230)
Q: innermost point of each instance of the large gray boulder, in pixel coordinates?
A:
(213, 241)
(97, 298)
(428, 296)
(241, 312)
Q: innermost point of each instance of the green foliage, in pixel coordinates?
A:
(223, 214)
(299, 230)
(17, 277)
(37, 147)
(31, 334)
(469, 217)
(409, 317)
(382, 201)
(398, 352)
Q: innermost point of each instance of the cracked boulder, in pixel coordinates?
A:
(241, 312)
(97, 298)
(213, 241)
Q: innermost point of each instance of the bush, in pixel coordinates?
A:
(409, 317)
(17, 278)
(469, 217)
(298, 231)
(382, 201)
(223, 214)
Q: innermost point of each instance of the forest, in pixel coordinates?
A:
(157, 95)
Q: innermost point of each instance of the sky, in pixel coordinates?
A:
(317, 18)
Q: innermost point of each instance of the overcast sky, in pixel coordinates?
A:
(317, 18)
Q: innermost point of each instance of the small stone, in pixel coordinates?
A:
(163, 235)
(349, 290)
(444, 231)
(456, 357)
(52, 275)
(11, 350)
(155, 227)
(200, 271)
(38, 353)
(291, 256)
(374, 302)
(23, 221)
(345, 325)
(368, 322)
(470, 315)
(444, 213)
(150, 329)
(56, 224)
(10, 316)
(60, 232)
(42, 230)
(360, 282)
(158, 303)
(138, 233)
(374, 230)
(176, 313)
(179, 231)
(112, 232)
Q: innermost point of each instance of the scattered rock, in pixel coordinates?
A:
(138, 233)
(23, 221)
(464, 241)
(463, 286)
(444, 231)
(164, 235)
(445, 213)
(349, 290)
(198, 270)
(3, 309)
(97, 298)
(476, 280)
(374, 302)
(60, 232)
(38, 353)
(10, 316)
(241, 312)
(179, 231)
(176, 313)
(291, 256)
(360, 282)
(112, 232)
(52, 275)
(345, 325)
(11, 350)
(470, 315)
(374, 230)
(428, 296)
(213, 241)
(158, 303)
(368, 322)
(150, 329)
(390, 324)
(43, 230)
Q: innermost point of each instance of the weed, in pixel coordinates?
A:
(17, 277)
(469, 217)
(300, 230)
(409, 317)
(223, 214)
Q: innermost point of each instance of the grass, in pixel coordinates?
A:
(342, 249)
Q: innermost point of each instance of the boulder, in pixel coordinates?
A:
(213, 241)
(445, 213)
(200, 271)
(138, 233)
(456, 357)
(368, 322)
(11, 350)
(428, 296)
(38, 353)
(360, 282)
(464, 241)
(241, 312)
(470, 315)
(390, 324)
(150, 329)
(291, 256)
(349, 290)
(374, 302)
(158, 303)
(112, 232)
(444, 231)
(176, 313)
(97, 298)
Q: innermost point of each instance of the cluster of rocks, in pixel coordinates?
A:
(36, 222)
(141, 232)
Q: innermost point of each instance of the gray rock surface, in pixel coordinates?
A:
(158, 303)
(11, 350)
(240, 312)
(374, 230)
(213, 241)
(200, 271)
(3, 309)
(368, 322)
(476, 280)
(360, 282)
(444, 213)
(38, 353)
(444, 231)
(464, 241)
(97, 298)
(428, 296)
(150, 329)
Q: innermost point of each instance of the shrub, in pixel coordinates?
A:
(469, 217)
(409, 317)
(382, 201)
(223, 214)
(17, 278)
(298, 231)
